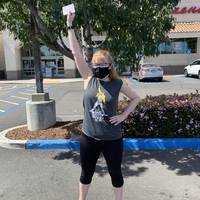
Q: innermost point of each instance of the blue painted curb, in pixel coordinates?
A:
(61, 144)
(140, 143)
(157, 143)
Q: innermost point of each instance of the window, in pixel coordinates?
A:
(48, 52)
(192, 44)
(179, 46)
(197, 62)
(27, 52)
(44, 52)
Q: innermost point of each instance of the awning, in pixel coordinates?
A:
(185, 29)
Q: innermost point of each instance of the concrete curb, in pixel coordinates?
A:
(11, 144)
(70, 144)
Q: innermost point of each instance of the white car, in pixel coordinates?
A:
(127, 71)
(193, 69)
(148, 71)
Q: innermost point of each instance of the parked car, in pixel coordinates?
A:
(148, 71)
(127, 71)
(193, 69)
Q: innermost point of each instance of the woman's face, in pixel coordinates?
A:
(100, 62)
(100, 67)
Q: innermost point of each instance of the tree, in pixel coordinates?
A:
(130, 26)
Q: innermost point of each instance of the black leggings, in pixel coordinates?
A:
(90, 150)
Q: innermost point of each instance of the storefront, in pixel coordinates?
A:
(52, 63)
(185, 39)
(15, 63)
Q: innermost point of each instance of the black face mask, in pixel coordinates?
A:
(100, 72)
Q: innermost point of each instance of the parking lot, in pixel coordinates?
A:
(14, 95)
(148, 174)
(170, 85)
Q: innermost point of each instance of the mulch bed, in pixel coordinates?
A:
(61, 130)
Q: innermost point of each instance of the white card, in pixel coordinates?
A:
(67, 8)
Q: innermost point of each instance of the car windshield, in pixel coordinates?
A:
(150, 65)
(197, 62)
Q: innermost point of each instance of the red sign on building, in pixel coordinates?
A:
(185, 10)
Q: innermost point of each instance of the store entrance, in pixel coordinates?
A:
(51, 67)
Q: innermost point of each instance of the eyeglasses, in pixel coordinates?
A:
(101, 65)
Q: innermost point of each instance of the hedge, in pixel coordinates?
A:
(164, 116)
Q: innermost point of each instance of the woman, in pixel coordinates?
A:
(101, 125)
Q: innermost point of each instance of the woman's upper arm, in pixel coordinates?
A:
(82, 66)
(129, 92)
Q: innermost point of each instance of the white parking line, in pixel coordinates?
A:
(25, 93)
(9, 87)
(31, 90)
(9, 102)
(192, 82)
(20, 97)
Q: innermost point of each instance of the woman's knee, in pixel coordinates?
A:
(117, 178)
(86, 178)
(118, 182)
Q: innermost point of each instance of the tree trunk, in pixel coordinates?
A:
(38, 68)
(37, 63)
(86, 37)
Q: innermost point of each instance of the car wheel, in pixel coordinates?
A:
(133, 76)
(186, 73)
(160, 79)
(199, 74)
(138, 78)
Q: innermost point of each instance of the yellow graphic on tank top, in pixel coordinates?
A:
(97, 111)
(102, 95)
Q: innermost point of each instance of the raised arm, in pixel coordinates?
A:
(82, 66)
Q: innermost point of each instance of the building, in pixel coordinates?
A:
(16, 63)
(185, 39)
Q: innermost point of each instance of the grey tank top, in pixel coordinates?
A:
(100, 102)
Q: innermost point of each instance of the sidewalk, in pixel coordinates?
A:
(45, 81)
(60, 80)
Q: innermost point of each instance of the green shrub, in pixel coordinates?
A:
(164, 116)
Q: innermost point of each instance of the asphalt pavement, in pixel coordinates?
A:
(162, 172)
(54, 175)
